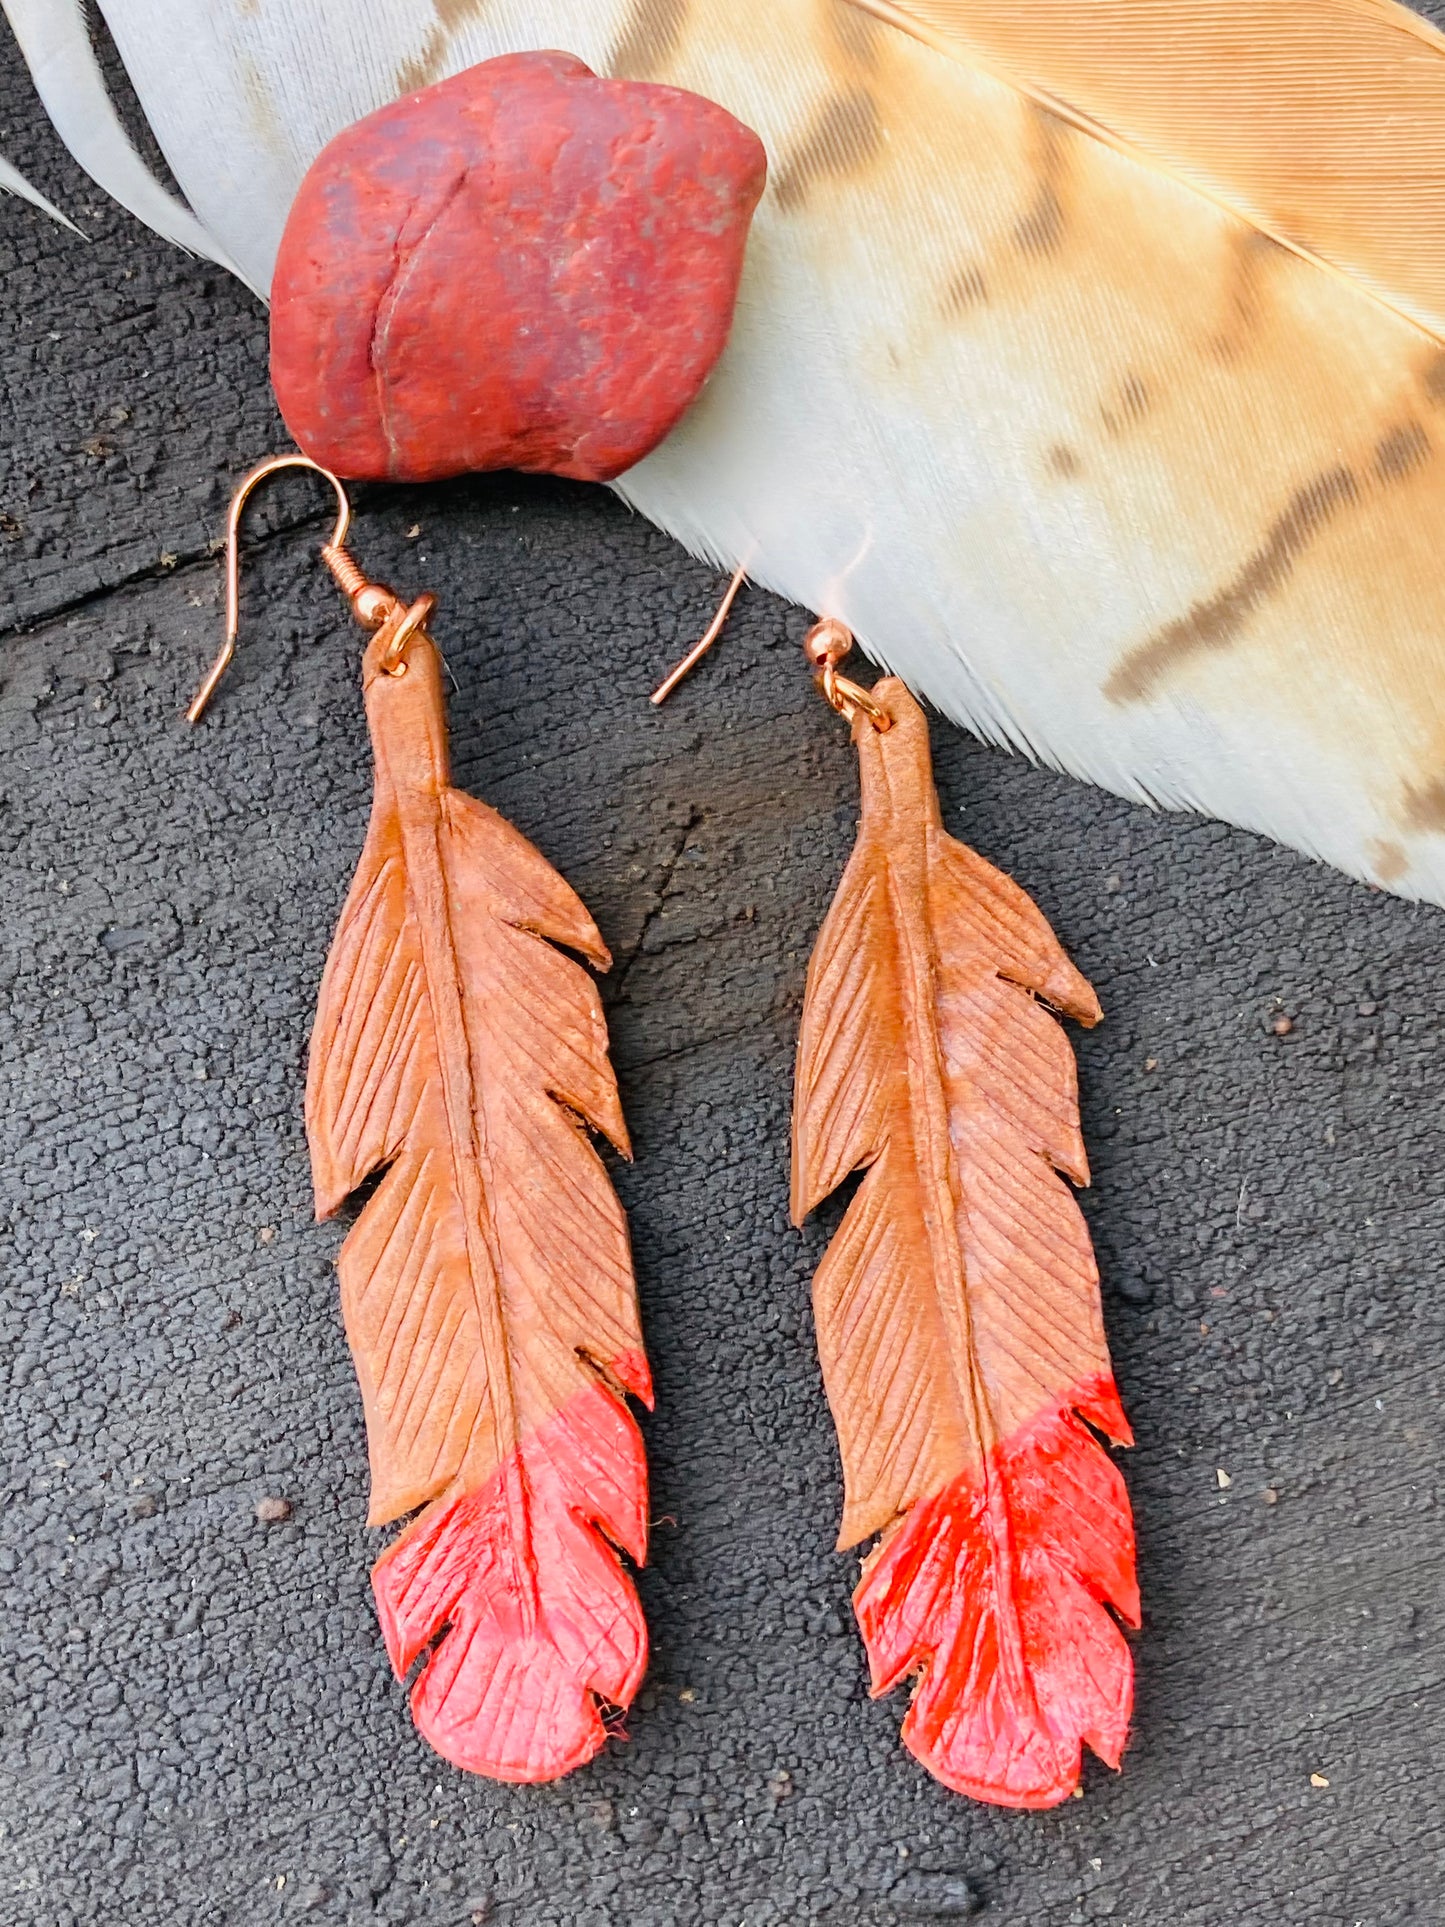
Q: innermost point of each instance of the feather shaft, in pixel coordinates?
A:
(397, 749)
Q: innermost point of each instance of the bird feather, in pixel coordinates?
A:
(1088, 361)
(12, 181)
(55, 40)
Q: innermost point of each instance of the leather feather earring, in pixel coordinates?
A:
(522, 266)
(487, 1282)
(957, 1307)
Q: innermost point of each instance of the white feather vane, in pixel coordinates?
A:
(1088, 360)
(55, 41)
(13, 182)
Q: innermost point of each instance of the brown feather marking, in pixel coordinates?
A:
(1130, 404)
(1404, 448)
(1218, 621)
(1039, 231)
(426, 66)
(649, 38)
(1389, 859)
(966, 289)
(844, 136)
(1424, 807)
(1251, 255)
(262, 110)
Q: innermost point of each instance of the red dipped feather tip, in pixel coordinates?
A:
(957, 1307)
(526, 1648)
(992, 1590)
(487, 1282)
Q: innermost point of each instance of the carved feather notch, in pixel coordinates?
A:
(487, 1284)
(958, 1305)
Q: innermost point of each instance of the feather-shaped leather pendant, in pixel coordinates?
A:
(487, 1284)
(958, 1305)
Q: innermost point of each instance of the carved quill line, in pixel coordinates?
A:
(910, 803)
(419, 812)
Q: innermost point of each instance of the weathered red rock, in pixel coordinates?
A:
(522, 267)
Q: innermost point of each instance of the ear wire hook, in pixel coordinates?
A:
(700, 648)
(372, 603)
(825, 646)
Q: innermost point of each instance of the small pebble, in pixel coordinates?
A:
(1151, 1063)
(1367, 1007)
(1282, 1025)
(267, 1234)
(272, 1511)
(688, 1695)
(1269, 1496)
(144, 1507)
(780, 1783)
(1318, 1779)
(1223, 1478)
(1113, 884)
(1133, 1289)
(934, 1895)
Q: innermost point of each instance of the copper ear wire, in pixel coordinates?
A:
(372, 603)
(825, 646)
(700, 648)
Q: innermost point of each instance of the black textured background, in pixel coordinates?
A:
(198, 1723)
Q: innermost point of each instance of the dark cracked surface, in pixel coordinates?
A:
(198, 1722)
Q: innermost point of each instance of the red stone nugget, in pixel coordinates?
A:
(522, 267)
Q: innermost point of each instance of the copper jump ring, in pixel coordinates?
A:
(825, 646)
(402, 625)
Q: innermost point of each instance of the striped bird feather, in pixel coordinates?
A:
(1088, 361)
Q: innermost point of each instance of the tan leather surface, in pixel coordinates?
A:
(960, 1296)
(489, 1277)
